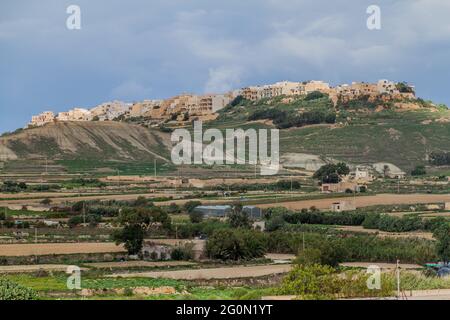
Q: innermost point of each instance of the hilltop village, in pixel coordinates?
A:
(187, 106)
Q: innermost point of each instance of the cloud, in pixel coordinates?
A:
(130, 90)
(222, 79)
(156, 49)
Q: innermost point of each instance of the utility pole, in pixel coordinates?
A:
(291, 185)
(398, 279)
(154, 166)
(303, 241)
(35, 235)
(84, 213)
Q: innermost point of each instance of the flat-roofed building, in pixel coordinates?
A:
(41, 119)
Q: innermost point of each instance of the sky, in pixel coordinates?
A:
(152, 49)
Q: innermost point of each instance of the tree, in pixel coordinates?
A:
(173, 208)
(135, 222)
(132, 236)
(403, 87)
(239, 218)
(331, 173)
(315, 95)
(227, 244)
(419, 171)
(78, 206)
(75, 221)
(442, 234)
(386, 170)
(191, 205)
(236, 101)
(46, 201)
(141, 202)
(146, 217)
(309, 256)
(196, 216)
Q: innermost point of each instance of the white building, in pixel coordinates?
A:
(110, 110)
(76, 114)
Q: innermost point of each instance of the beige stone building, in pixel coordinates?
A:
(42, 119)
(340, 187)
(77, 114)
(145, 108)
(343, 206)
(314, 85)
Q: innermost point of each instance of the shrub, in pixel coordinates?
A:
(183, 253)
(440, 158)
(323, 282)
(315, 95)
(13, 291)
(132, 236)
(330, 173)
(236, 245)
(419, 171)
(191, 205)
(196, 216)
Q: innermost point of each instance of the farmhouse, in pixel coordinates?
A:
(343, 206)
(340, 187)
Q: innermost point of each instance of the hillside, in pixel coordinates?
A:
(86, 140)
(312, 129)
(398, 132)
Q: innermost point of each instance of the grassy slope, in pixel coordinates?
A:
(398, 137)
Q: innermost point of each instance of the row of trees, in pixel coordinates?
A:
(240, 244)
(278, 218)
(406, 223)
(440, 158)
(284, 119)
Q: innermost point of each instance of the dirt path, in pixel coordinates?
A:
(39, 249)
(134, 264)
(364, 201)
(213, 273)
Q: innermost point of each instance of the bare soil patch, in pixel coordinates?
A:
(213, 273)
(363, 201)
(40, 249)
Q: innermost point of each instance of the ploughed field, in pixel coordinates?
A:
(39, 249)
